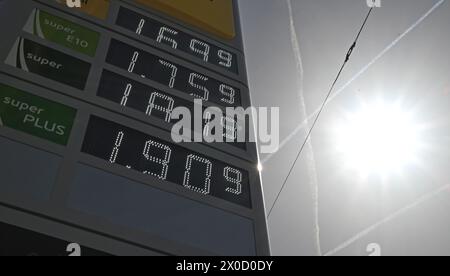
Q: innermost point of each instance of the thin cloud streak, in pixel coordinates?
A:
(311, 163)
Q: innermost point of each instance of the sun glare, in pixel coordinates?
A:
(378, 139)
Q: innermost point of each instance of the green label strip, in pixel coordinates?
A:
(35, 115)
(63, 32)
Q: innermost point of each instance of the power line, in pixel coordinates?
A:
(308, 136)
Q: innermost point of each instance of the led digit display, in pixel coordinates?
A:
(166, 161)
(153, 102)
(175, 76)
(177, 40)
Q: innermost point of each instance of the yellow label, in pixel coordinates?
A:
(214, 16)
(97, 8)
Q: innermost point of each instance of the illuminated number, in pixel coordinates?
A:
(233, 176)
(133, 62)
(227, 58)
(208, 118)
(166, 109)
(208, 172)
(164, 162)
(126, 94)
(116, 148)
(140, 26)
(162, 36)
(174, 73)
(229, 124)
(205, 91)
(228, 92)
(204, 51)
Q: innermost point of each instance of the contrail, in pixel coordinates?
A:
(362, 71)
(391, 217)
(309, 149)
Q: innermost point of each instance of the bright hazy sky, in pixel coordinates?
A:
(414, 71)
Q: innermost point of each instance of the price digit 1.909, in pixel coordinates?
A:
(117, 144)
(207, 171)
(164, 162)
(235, 177)
(195, 165)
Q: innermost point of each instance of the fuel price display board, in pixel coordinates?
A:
(173, 163)
(86, 97)
(178, 40)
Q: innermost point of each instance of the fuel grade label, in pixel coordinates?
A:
(38, 59)
(63, 32)
(34, 115)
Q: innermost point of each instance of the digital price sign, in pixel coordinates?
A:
(178, 40)
(151, 156)
(86, 98)
(156, 103)
(150, 66)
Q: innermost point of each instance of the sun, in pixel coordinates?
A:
(378, 139)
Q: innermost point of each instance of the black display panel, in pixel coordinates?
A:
(15, 241)
(155, 103)
(178, 40)
(175, 76)
(166, 161)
